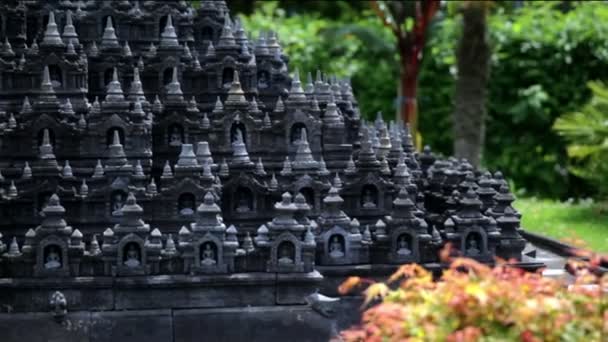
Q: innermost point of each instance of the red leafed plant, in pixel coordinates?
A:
(474, 302)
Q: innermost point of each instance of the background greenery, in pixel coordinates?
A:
(579, 223)
(542, 58)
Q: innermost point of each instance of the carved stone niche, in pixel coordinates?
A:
(131, 256)
(286, 254)
(117, 200)
(474, 244)
(405, 247)
(52, 258)
(337, 249)
(370, 197)
(208, 256)
(175, 135)
(186, 204)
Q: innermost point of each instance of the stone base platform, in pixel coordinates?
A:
(159, 292)
(256, 323)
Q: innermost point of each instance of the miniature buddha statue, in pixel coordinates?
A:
(285, 258)
(208, 256)
(336, 250)
(187, 207)
(403, 246)
(132, 257)
(52, 261)
(368, 200)
(263, 80)
(472, 248)
(243, 206)
(175, 138)
(117, 205)
(238, 136)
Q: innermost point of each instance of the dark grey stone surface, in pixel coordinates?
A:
(136, 326)
(41, 327)
(277, 323)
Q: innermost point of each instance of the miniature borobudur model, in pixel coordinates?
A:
(145, 138)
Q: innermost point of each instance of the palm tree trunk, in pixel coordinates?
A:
(473, 57)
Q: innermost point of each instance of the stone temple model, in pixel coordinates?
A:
(147, 145)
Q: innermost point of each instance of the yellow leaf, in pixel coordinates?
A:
(375, 291)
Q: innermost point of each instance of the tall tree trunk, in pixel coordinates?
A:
(473, 57)
(408, 86)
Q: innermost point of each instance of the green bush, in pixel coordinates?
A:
(587, 134)
(542, 57)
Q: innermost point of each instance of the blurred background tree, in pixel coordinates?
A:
(542, 55)
(473, 62)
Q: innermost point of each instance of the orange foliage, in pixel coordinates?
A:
(472, 301)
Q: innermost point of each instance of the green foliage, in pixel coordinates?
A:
(587, 134)
(358, 46)
(582, 223)
(541, 57)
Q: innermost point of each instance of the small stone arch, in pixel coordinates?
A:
(56, 75)
(227, 77)
(243, 200)
(117, 200)
(336, 246)
(132, 255)
(404, 244)
(233, 131)
(208, 254)
(52, 256)
(110, 135)
(186, 204)
(286, 253)
(199, 251)
(474, 244)
(175, 135)
(286, 245)
(295, 133)
(369, 196)
(263, 79)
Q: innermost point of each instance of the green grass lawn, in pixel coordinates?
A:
(566, 221)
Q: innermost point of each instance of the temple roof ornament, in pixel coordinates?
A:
(227, 37)
(51, 36)
(304, 158)
(69, 31)
(114, 92)
(174, 89)
(296, 94)
(168, 38)
(235, 93)
(109, 39)
(116, 152)
(240, 156)
(47, 92)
